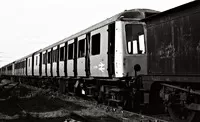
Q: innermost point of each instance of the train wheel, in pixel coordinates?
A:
(180, 114)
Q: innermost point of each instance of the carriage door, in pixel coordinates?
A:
(99, 52)
(61, 60)
(70, 58)
(81, 56)
(54, 61)
(49, 62)
(44, 62)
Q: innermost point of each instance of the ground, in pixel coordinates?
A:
(27, 103)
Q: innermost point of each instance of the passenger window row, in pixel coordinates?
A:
(95, 50)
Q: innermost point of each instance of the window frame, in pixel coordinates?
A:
(94, 46)
(62, 50)
(36, 60)
(70, 56)
(139, 51)
(49, 57)
(80, 53)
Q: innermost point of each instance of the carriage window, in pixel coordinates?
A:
(44, 58)
(81, 48)
(36, 60)
(54, 55)
(49, 57)
(96, 44)
(70, 51)
(29, 62)
(135, 39)
(62, 53)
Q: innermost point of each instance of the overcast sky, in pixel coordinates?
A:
(29, 25)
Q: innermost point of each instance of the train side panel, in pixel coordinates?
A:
(29, 66)
(174, 42)
(54, 61)
(81, 55)
(44, 61)
(36, 64)
(61, 59)
(70, 59)
(98, 52)
(49, 62)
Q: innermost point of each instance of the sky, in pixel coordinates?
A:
(29, 25)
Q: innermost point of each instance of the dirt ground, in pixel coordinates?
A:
(32, 104)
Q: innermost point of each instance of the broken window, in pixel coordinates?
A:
(70, 51)
(81, 48)
(135, 39)
(62, 53)
(95, 49)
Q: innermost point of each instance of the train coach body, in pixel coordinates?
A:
(130, 59)
(20, 67)
(36, 63)
(99, 51)
(173, 41)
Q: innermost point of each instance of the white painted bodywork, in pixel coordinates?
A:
(81, 60)
(70, 63)
(61, 64)
(48, 65)
(124, 62)
(130, 60)
(119, 49)
(98, 63)
(54, 65)
(36, 67)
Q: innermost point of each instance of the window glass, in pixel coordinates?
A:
(29, 62)
(95, 49)
(44, 58)
(81, 48)
(49, 57)
(54, 55)
(62, 53)
(135, 38)
(36, 60)
(70, 51)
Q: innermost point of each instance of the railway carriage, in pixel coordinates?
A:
(139, 59)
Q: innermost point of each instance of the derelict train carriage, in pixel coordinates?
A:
(139, 59)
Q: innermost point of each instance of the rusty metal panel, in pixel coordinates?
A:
(159, 47)
(174, 43)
